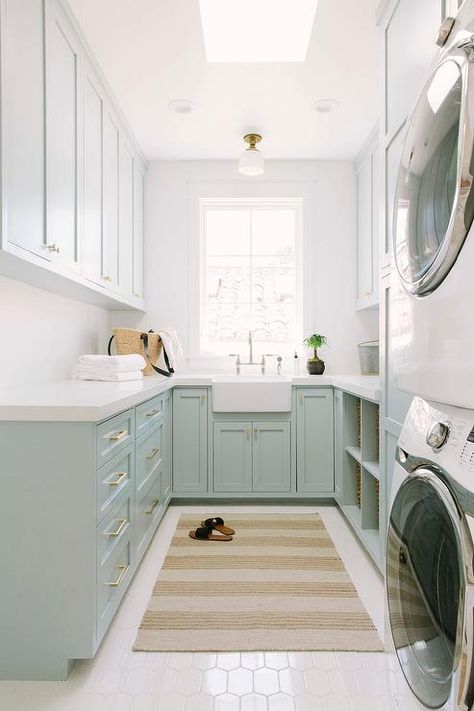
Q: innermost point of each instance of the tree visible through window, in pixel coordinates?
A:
(250, 264)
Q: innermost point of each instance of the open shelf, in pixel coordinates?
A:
(361, 471)
(355, 452)
(373, 468)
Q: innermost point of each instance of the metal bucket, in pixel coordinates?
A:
(369, 357)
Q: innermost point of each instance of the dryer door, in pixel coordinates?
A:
(425, 586)
(434, 200)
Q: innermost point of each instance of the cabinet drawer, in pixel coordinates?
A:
(112, 582)
(149, 509)
(113, 529)
(149, 413)
(114, 435)
(148, 456)
(113, 479)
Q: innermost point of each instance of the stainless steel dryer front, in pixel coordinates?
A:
(430, 554)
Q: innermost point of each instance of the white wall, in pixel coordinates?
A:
(41, 334)
(334, 270)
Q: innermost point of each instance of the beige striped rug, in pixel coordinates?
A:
(279, 585)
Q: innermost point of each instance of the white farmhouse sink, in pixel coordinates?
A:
(247, 393)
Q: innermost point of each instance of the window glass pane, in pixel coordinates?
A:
(228, 322)
(274, 323)
(273, 285)
(227, 231)
(228, 284)
(249, 279)
(273, 231)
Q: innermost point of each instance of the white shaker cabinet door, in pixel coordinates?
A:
(138, 235)
(126, 226)
(111, 200)
(23, 124)
(93, 176)
(364, 230)
(63, 137)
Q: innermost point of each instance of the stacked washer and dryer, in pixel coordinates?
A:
(430, 553)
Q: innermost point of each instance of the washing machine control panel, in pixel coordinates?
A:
(466, 457)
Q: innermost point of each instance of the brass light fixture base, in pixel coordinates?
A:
(252, 139)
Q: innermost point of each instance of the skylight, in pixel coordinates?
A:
(257, 30)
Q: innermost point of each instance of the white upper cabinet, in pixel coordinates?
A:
(138, 214)
(126, 227)
(410, 42)
(72, 175)
(367, 190)
(23, 125)
(63, 137)
(93, 176)
(111, 201)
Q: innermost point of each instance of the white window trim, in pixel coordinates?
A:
(242, 191)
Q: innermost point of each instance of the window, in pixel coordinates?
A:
(250, 275)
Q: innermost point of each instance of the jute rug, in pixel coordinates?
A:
(280, 585)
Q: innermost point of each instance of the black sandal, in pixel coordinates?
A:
(217, 524)
(205, 534)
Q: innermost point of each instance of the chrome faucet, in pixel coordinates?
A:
(262, 363)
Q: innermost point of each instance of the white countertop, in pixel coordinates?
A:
(84, 401)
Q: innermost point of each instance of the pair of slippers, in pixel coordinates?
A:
(213, 529)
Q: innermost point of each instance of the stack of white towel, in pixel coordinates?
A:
(110, 368)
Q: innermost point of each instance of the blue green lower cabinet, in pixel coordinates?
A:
(252, 456)
(271, 456)
(314, 440)
(190, 441)
(84, 500)
(233, 456)
(338, 447)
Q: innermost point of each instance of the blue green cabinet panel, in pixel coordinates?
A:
(314, 440)
(232, 456)
(271, 456)
(338, 447)
(190, 440)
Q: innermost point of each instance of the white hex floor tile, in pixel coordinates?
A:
(119, 679)
(253, 702)
(226, 702)
(199, 702)
(240, 681)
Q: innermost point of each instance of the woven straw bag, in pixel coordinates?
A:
(149, 345)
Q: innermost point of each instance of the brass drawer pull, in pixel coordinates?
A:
(53, 248)
(153, 453)
(152, 413)
(117, 436)
(120, 477)
(148, 513)
(123, 569)
(106, 277)
(122, 523)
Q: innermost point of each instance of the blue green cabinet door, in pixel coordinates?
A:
(338, 446)
(314, 440)
(233, 456)
(167, 448)
(190, 440)
(271, 456)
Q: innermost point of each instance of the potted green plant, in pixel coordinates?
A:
(315, 365)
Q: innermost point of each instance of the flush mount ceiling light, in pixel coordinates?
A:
(251, 160)
(325, 106)
(181, 106)
(263, 31)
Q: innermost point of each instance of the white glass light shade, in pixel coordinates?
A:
(251, 162)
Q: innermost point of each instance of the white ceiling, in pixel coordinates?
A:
(152, 52)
